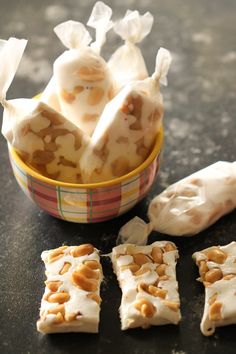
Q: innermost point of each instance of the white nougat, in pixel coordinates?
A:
(83, 79)
(147, 279)
(217, 268)
(128, 127)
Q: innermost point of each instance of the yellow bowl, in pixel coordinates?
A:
(88, 203)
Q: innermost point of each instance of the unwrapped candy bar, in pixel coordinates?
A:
(217, 268)
(147, 279)
(71, 302)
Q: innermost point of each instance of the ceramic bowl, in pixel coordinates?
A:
(88, 203)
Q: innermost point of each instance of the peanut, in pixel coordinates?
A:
(169, 247)
(65, 268)
(95, 297)
(88, 117)
(143, 287)
(213, 275)
(120, 166)
(67, 96)
(78, 89)
(157, 255)
(161, 269)
(82, 250)
(216, 255)
(141, 271)
(174, 306)
(83, 283)
(132, 267)
(95, 96)
(42, 157)
(59, 318)
(88, 272)
(145, 307)
(212, 299)
(59, 308)
(53, 285)
(65, 162)
(91, 74)
(140, 258)
(51, 146)
(56, 254)
(92, 264)
(60, 298)
(215, 311)
(141, 150)
(69, 317)
(157, 292)
(203, 269)
(122, 140)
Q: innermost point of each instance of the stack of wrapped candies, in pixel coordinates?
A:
(95, 120)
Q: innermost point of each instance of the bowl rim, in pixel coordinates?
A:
(155, 151)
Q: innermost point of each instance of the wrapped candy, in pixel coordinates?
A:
(44, 138)
(190, 205)
(83, 79)
(49, 95)
(127, 63)
(127, 128)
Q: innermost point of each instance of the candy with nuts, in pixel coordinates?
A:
(71, 301)
(83, 79)
(147, 278)
(128, 127)
(43, 137)
(217, 268)
(188, 206)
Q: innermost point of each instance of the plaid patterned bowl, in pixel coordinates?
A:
(88, 203)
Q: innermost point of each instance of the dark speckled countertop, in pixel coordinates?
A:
(200, 128)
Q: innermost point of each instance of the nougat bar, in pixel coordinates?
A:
(147, 279)
(71, 301)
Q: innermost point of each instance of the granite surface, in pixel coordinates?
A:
(200, 128)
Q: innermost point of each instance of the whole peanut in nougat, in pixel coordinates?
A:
(83, 79)
(127, 129)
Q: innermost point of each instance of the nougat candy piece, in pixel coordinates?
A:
(194, 203)
(127, 129)
(71, 301)
(147, 278)
(217, 268)
(83, 79)
(45, 139)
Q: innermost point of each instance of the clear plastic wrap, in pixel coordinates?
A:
(127, 63)
(127, 129)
